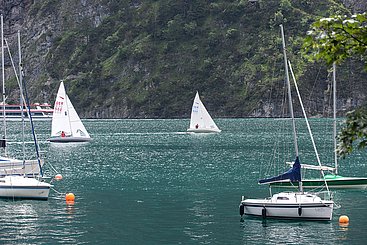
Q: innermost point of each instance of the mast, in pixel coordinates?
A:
(290, 102)
(21, 93)
(334, 118)
(289, 93)
(67, 111)
(3, 80)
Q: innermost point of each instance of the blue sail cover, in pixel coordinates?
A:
(293, 174)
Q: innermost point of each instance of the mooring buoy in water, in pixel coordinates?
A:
(58, 177)
(70, 197)
(343, 219)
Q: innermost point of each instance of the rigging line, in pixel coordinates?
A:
(20, 89)
(52, 167)
(15, 73)
(289, 93)
(60, 193)
(24, 100)
(67, 111)
(312, 91)
(32, 126)
(307, 123)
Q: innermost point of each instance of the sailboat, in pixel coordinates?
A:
(20, 186)
(66, 124)
(201, 121)
(333, 180)
(290, 205)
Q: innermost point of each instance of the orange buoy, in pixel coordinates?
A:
(58, 177)
(343, 219)
(69, 197)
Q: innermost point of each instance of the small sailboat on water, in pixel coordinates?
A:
(291, 205)
(66, 124)
(201, 121)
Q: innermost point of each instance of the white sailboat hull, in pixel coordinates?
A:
(20, 187)
(204, 130)
(302, 206)
(69, 139)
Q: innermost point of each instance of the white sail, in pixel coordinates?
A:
(60, 118)
(77, 127)
(201, 121)
(66, 124)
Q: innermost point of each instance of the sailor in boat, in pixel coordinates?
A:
(197, 126)
(63, 134)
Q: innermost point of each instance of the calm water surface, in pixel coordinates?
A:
(148, 182)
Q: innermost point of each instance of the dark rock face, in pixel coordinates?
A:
(359, 6)
(43, 22)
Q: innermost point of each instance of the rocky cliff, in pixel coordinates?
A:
(124, 59)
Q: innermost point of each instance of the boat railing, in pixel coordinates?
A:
(310, 166)
(325, 195)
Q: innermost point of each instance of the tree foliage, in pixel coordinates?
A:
(355, 132)
(334, 40)
(337, 38)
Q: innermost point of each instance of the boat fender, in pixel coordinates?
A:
(2, 143)
(242, 209)
(263, 213)
(299, 211)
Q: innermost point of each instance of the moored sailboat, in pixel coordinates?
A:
(20, 186)
(290, 205)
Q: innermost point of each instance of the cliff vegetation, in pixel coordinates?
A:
(147, 59)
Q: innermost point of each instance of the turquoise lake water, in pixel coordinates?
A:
(149, 182)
